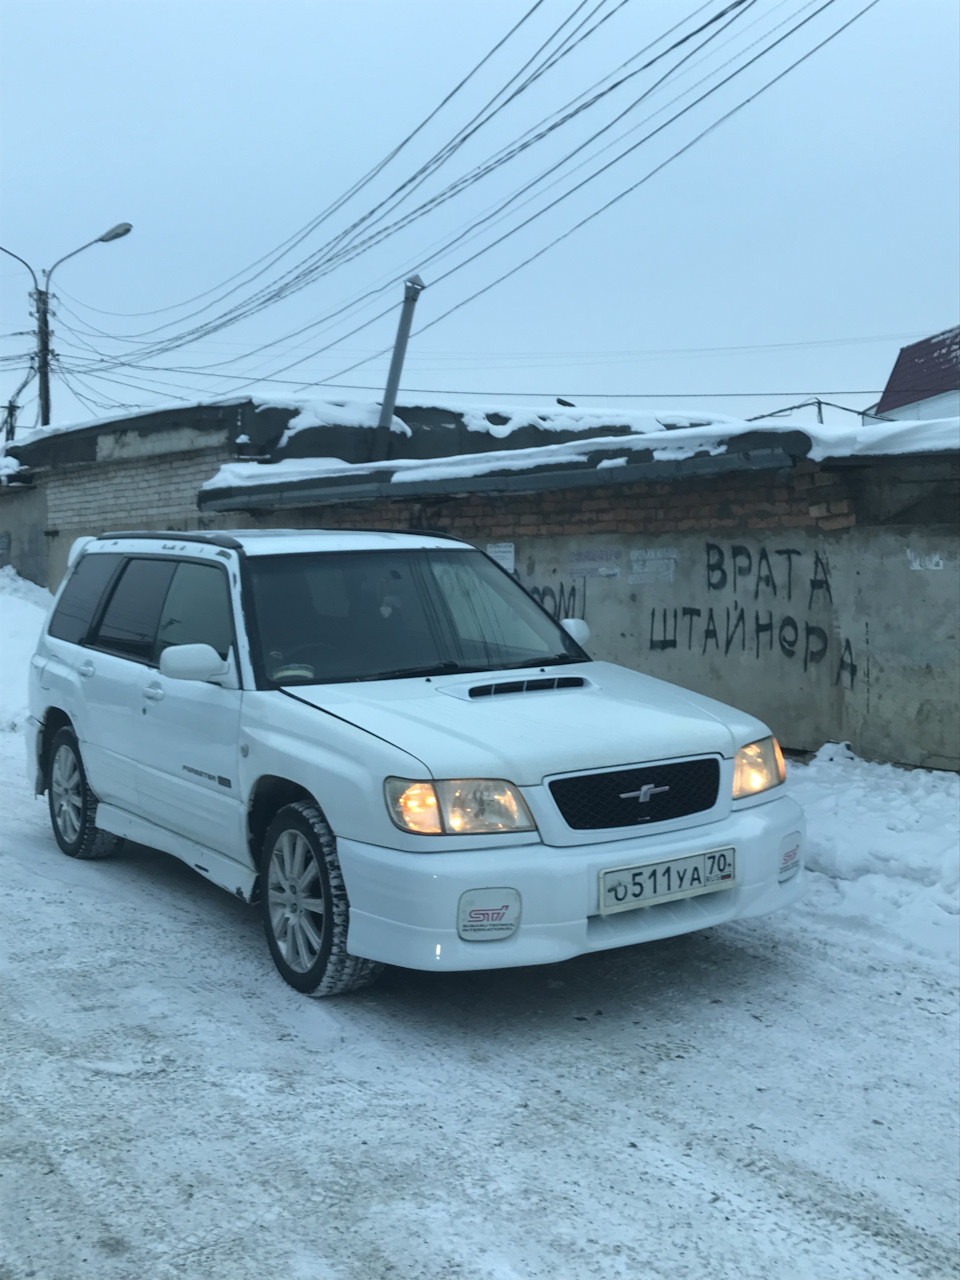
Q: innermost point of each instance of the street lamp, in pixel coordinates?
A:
(42, 297)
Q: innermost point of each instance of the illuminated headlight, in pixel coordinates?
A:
(758, 767)
(462, 806)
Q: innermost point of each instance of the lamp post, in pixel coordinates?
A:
(42, 299)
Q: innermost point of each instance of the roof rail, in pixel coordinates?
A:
(178, 535)
(428, 533)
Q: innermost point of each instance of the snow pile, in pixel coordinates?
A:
(330, 413)
(23, 607)
(888, 840)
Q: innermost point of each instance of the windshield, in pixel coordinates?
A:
(376, 615)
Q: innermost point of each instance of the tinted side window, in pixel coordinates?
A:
(81, 596)
(196, 610)
(129, 624)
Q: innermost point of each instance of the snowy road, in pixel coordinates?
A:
(774, 1099)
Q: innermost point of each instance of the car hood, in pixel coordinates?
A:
(618, 717)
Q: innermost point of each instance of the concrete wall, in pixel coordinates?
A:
(846, 635)
(23, 522)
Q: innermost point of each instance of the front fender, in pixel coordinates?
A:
(342, 766)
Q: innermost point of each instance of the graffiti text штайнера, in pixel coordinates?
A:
(764, 602)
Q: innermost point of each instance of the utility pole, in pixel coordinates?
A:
(41, 298)
(413, 287)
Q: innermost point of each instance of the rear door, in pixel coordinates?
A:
(68, 672)
(188, 730)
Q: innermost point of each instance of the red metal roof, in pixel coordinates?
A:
(924, 369)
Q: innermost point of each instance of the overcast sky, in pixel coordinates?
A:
(789, 252)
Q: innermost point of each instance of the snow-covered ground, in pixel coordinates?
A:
(773, 1100)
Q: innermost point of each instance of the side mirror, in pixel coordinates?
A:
(192, 662)
(576, 629)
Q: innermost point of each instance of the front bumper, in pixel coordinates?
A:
(404, 905)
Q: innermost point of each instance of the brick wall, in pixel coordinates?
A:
(135, 493)
(808, 498)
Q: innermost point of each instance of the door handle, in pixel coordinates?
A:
(86, 669)
(153, 692)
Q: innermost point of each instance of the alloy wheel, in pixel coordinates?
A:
(66, 784)
(296, 900)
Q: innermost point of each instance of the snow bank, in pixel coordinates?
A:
(887, 838)
(23, 607)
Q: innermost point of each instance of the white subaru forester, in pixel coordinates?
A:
(387, 743)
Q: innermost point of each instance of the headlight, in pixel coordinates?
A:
(758, 767)
(461, 806)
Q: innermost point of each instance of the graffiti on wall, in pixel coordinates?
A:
(565, 600)
(775, 601)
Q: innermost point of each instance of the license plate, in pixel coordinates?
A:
(625, 888)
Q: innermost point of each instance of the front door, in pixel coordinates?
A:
(188, 749)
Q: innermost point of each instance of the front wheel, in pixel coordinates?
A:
(72, 804)
(305, 907)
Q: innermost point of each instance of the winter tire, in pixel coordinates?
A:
(72, 804)
(305, 907)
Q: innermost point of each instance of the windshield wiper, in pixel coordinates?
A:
(435, 669)
(555, 660)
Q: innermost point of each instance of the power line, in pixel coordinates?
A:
(304, 231)
(282, 287)
(303, 275)
(161, 348)
(580, 395)
(538, 214)
(611, 395)
(251, 381)
(629, 190)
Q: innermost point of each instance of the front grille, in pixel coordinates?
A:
(635, 797)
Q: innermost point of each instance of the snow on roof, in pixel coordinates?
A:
(499, 421)
(826, 441)
(33, 434)
(923, 369)
(669, 434)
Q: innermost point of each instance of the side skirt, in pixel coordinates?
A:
(223, 871)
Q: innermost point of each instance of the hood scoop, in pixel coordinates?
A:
(526, 686)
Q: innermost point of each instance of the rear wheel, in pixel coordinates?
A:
(72, 804)
(305, 908)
